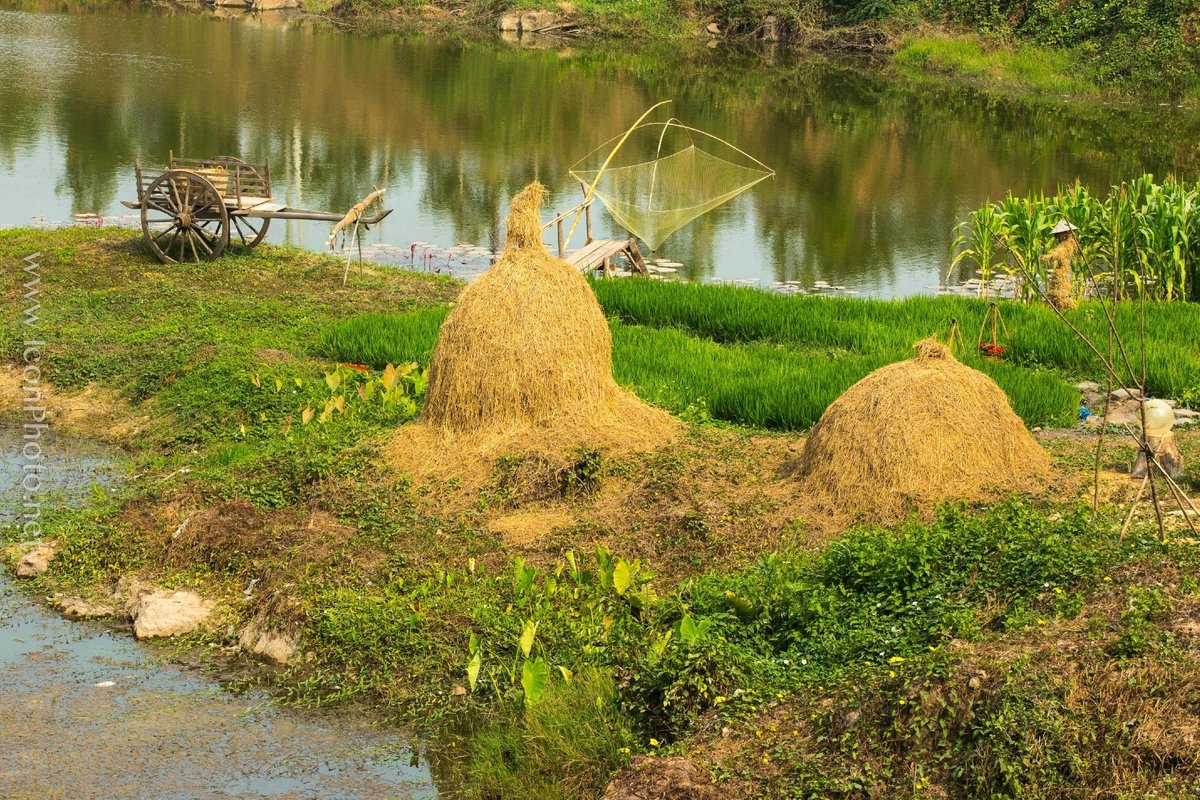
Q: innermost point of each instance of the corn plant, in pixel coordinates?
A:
(1144, 236)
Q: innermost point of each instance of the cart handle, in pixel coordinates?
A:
(355, 215)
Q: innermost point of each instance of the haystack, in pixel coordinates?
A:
(524, 364)
(915, 433)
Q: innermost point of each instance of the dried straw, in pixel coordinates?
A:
(524, 364)
(915, 433)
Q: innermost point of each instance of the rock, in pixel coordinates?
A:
(772, 31)
(131, 591)
(1087, 386)
(277, 646)
(231, 2)
(655, 778)
(459, 691)
(36, 560)
(713, 28)
(1125, 394)
(1125, 413)
(510, 21)
(167, 613)
(534, 21)
(77, 608)
(1185, 413)
(274, 5)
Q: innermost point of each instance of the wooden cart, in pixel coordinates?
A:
(194, 207)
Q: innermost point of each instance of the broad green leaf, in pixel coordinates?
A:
(333, 380)
(534, 675)
(527, 633)
(473, 669)
(687, 630)
(622, 576)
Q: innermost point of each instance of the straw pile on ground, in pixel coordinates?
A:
(915, 433)
(524, 365)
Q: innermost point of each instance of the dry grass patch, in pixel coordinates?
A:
(915, 433)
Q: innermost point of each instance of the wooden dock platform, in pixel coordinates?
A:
(596, 254)
(599, 254)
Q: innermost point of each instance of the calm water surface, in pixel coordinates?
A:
(872, 171)
(86, 713)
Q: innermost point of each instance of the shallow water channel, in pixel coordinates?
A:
(86, 712)
(873, 168)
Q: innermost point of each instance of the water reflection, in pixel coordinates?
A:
(872, 171)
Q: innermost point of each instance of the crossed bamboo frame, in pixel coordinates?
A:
(1117, 344)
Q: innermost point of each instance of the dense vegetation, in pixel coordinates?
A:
(1077, 46)
(1142, 234)
(1016, 651)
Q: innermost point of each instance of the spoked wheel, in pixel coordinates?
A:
(184, 218)
(247, 231)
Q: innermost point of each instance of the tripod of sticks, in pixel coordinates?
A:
(1120, 373)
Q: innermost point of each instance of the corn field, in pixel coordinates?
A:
(1143, 236)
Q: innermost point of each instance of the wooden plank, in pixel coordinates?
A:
(592, 255)
(256, 204)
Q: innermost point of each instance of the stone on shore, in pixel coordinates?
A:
(165, 613)
(36, 560)
(272, 645)
(76, 608)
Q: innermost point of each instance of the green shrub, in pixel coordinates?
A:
(563, 747)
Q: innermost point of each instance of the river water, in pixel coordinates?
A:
(86, 713)
(872, 169)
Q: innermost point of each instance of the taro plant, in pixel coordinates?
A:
(394, 392)
(615, 587)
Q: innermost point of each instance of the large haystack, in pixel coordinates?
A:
(524, 364)
(915, 433)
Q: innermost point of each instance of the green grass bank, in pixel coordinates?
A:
(1077, 48)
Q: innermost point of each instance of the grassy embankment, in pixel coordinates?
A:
(689, 604)
(1142, 45)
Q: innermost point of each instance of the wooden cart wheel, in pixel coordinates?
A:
(245, 231)
(184, 218)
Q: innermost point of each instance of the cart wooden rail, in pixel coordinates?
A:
(193, 207)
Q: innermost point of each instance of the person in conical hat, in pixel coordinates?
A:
(1061, 290)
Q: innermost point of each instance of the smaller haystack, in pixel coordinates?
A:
(915, 433)
(524, 365)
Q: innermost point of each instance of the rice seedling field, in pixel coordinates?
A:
(765, 360)
(1033, 337)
